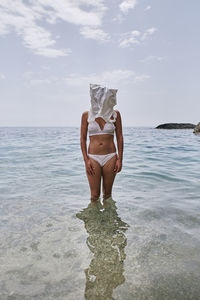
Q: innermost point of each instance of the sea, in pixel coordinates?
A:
(143, 244)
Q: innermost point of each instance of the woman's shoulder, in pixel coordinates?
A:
(85, 114)
(117, 112)
(118, 117)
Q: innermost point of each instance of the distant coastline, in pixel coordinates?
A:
(176, 126)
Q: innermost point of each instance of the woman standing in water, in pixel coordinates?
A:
(101, 159)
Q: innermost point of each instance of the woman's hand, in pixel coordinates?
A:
(89, 167)
(118, 166)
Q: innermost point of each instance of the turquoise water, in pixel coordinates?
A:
(144, 244)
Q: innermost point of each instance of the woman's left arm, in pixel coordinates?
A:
(120, 142)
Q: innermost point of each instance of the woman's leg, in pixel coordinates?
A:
(108, 176)
(95, 181)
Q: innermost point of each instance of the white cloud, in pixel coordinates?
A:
(39, 78)
(118, 18)
(126, 5)
(23, 17)
(71, 12)
(140, 78)
(151, 58)
(15, 15)
(135, 37)
(28, 74)
(111, 78)
(53, 52)
(2, 76)
(94, 33)
(148, 7)
(148, 32)
(130, 38)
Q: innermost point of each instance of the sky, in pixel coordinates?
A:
(50, 51)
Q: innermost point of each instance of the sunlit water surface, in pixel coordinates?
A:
(144, 244)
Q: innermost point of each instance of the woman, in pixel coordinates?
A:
(101, 160)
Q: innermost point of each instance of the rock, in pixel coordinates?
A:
(197, 128)
(176, 126)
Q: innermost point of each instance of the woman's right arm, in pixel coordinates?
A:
(83, 138)
(83, 143)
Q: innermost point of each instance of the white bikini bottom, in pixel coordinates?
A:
(102, 158)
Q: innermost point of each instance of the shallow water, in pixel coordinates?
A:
(144, 244)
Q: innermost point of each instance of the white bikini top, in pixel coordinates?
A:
(94, 128)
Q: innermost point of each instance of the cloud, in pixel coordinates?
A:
(135, 37)
(151, 58)
(28, 74)
(39, 78)
(126, 5)
(94, 33)
(131, 38)
(23, 19)
(71, 11)
(148, 32)
(111, 78)
(148, 7)
(118, 18)
(140, 78)
(2, 76)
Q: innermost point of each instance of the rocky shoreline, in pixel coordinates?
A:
(197, 129)
(176, 126)
(180, 126)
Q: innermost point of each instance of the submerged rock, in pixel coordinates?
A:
(197, 128)
(176, 126)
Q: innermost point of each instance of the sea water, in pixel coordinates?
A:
(144, 244)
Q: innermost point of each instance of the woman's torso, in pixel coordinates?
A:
(103, 142)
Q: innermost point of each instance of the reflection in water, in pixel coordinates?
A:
(107, 242)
